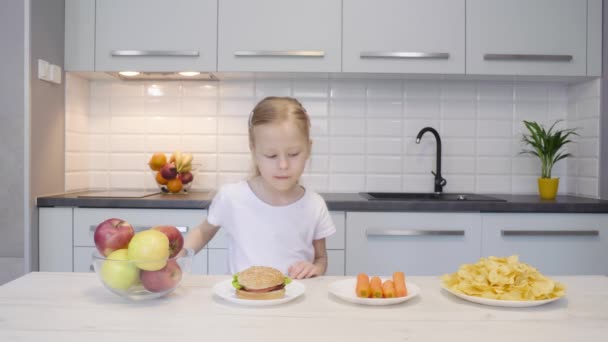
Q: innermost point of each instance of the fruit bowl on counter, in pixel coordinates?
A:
(174, 175)
(181, 184)
(130, 278)
(140, 265)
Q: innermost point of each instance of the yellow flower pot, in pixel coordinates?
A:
(547, 188)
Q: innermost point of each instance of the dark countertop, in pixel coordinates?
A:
(346, 202)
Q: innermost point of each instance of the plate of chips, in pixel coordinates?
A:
(503, 282)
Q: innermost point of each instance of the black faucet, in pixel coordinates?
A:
(440, 182)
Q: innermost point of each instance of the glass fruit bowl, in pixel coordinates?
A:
(142, 280)
(180, 184)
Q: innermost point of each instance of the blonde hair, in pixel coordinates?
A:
(274, 109)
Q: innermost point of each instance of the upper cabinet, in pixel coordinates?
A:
(465, 37)
(79, 35)
(279, 35)
(156, 35)
(523, 37)
(404, 36)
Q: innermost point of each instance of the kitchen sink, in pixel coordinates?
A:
(426, 196)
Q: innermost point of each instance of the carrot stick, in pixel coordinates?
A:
(388, 289)
(376, 287)
(399, 283)
(362, 288)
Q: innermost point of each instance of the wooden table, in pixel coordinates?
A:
(76, 307)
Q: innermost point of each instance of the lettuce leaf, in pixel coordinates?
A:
(235, 282)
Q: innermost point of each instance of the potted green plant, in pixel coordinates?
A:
(548, 146)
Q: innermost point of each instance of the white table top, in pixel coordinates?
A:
(76, 307)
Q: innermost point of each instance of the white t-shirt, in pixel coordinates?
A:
(261, 234)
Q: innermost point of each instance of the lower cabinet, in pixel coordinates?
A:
(558, 244)
(67, 245)
(218, 253)
(66, 234)
(380, 243)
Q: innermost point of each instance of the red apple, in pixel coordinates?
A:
(176, 240)
(113, 234)
(169, 171)
(164, 279)
(186, 177)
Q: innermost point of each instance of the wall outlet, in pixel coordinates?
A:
(49, 72)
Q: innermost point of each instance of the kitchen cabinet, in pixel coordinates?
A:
(79, 48)
(66, 234)
(522, 37)
(156, 35)
(473, 37)
(335, 244)
(558, 244)
(55, 248)
(380, 243)
(404, 36)
(279, 35)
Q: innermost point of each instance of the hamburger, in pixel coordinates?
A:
(260, 283)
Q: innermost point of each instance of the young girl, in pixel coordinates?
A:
(270, 219)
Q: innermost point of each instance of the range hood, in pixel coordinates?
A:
(165, 76)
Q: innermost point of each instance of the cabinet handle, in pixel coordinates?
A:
(408, 55)
(286, 53)
(182, 229)
(412, 232)
(155, 53)
(510, 232)
(526, 57)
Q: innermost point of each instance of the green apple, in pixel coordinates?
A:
(149, 250)
(117, 272)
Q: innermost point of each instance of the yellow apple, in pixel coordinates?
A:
(149, 250)
(117, 272)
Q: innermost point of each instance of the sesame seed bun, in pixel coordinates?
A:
(260, 277)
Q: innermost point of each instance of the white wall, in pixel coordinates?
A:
(12, 130)
(363, 131)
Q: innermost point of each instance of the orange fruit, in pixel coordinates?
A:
(174, 185)
(160, 180)
(157, 161)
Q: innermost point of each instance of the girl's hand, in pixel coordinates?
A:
(303, 269)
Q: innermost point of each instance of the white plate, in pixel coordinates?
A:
(500, 302)
(226, 291)
(345, 289)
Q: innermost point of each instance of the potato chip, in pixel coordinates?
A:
(503, 279)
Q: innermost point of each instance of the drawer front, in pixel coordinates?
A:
(218, 262)
(83, 257)
(336, 241)
(381, 243)
(336, 262)
(86, 220)
(521, 37)
(156, 35)
(558, 244)
(248, 38)
(402, 48)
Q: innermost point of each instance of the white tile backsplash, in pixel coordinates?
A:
(363, 131)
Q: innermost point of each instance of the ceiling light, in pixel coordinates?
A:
(129, 73)
(189, 73)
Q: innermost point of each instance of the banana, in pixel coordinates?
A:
(178, 160)
(186, 159)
